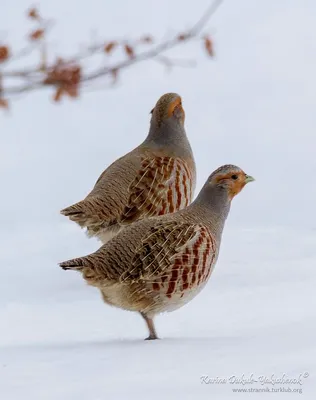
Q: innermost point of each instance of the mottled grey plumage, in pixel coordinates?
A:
(159, 264)
(156, 178)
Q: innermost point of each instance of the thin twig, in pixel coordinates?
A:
(38, 78)
(196, 29)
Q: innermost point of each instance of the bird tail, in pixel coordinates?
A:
(76, 213)
(86, 265)
(76, 264)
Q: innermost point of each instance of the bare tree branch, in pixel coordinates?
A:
(196, 29)
(69, 76)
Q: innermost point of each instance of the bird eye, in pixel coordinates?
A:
(234, 177)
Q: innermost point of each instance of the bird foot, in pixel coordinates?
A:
(152, 337)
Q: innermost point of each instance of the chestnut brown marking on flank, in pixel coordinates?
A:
(170, 201)
(178, 189)
(185, 258)
(163, 208)
(173, 105)
(175, 270)
(171, 163)
(196, 249)
(200, 239)
(185, 274)
(173, 279)
(185, 283)
(186, 177)
(184, 183)
(177, 264)
(165, 162)
(156, 286)
(209, 244)
(185, 286)
(193, 278)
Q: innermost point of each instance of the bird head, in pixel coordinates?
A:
(230, 178)
(168, 111)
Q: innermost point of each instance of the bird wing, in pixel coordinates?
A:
(124, 194)
(104, 204)
(162, 185)
(172, 252)
(110, 261)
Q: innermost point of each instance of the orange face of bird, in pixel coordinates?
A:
(232, 178)
(169, 106)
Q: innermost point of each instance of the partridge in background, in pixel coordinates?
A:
(156, 178)
(159, 264)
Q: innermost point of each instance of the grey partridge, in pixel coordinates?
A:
(156, 178)
(160, 263)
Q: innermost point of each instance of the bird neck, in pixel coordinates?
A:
(168, 135)
(213, 205)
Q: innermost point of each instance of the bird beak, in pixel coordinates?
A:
(249, 179)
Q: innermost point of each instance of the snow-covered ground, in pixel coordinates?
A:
(257, 315)
(254, 106)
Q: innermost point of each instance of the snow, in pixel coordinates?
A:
(254, 104)
(255, 316)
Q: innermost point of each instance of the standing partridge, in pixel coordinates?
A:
(156, 178)
(160, 263)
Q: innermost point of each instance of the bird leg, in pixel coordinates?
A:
(151, 327)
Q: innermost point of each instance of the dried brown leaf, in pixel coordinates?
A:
(109, 47)
(129, 51)
(208, 44)
(4, 53)
(33, 13)
(4, 103)
(72, 90)
(37, 34)
(63, 74)
(58, 94)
